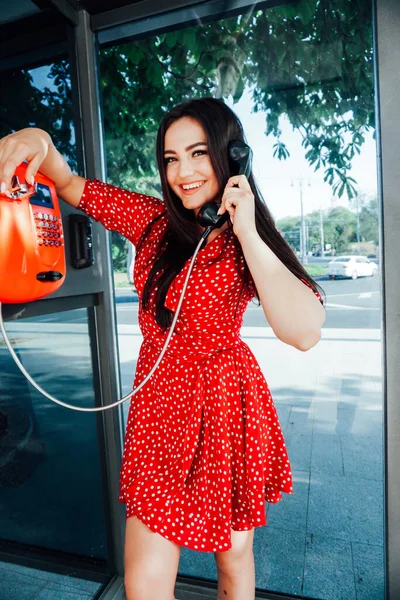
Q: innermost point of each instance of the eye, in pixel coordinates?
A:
(168, 159)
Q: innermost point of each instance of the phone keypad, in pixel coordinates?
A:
(48, 229)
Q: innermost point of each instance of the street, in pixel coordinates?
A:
(353, 304)
(350, 304)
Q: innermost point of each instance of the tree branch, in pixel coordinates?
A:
(178, 75)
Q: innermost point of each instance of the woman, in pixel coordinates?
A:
(203, 448)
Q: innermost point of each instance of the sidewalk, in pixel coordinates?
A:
(125, 294)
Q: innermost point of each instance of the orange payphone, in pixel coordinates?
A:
(32, 254)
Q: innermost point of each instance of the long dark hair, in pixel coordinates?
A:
(182, 236)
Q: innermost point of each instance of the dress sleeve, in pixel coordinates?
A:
(120, 210)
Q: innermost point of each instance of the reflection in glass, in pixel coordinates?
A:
(40, 97)
(50, 475)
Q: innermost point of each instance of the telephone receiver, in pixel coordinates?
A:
(240, 157)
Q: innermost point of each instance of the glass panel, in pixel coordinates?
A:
(50, 475)
(300, 78)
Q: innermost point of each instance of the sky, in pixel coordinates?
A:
(275, 177)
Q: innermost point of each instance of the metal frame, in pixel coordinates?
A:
(387, 59)
(69, 9)
(151, 19)
(36, 38)
(104, 318)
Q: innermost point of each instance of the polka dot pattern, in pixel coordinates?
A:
(203, 447)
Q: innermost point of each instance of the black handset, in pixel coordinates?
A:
(240, 157)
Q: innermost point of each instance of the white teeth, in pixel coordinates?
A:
(192, 185)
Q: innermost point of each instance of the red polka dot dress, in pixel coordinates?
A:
(203, 448)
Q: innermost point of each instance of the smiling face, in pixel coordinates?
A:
(187, 164)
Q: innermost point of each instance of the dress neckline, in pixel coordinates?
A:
(226, 233)
(213, 240)
(221, 243)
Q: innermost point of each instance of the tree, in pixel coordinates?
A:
(340, 226)
(311, 60)
(369, 217)
(22, 104)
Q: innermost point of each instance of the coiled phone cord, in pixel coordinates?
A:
(133, 392)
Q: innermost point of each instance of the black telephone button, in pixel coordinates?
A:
(49, 276)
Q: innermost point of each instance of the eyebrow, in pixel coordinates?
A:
(188, 148)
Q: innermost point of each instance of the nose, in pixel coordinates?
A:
(186, 168)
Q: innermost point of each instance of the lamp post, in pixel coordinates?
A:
(358, 226)
(321, 228)
(304, 258)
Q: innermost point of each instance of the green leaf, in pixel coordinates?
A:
(239, 90)
(171, 39)
(189, 39)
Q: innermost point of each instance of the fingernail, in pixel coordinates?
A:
(32, 180)
(219, 211)
(231, 220)
(2, 187)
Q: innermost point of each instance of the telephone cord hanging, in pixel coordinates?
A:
(142, 383)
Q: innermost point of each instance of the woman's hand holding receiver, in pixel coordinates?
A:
(29, 144)
(35, 146)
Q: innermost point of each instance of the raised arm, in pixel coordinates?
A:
(35, 145)
(120, 210)
(117, 209)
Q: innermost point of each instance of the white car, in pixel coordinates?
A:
(351, 266)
